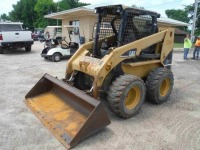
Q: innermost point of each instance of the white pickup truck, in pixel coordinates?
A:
(12, 35)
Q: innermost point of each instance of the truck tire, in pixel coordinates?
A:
(159, 85)
(126, 95)
(56, 57)
(79, 81)
(28, 48)
(83, 81)
(105, 86)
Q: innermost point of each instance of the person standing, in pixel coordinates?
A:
(196, 49)
(187, 46)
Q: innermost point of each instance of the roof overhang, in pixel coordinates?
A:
(171, 22)
(77, 12)
(9, 22)
(89, 10)
(54, 26)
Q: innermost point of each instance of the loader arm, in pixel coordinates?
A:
(83, 50)
(112, 60)
(99, 68)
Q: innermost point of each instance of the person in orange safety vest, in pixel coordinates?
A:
(196, 49)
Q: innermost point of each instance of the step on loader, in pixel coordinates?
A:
(128, 61)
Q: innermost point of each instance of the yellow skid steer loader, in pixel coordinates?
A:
(128, 61)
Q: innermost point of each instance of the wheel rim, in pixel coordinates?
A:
(165, 86)
(57, 57)
(132, 98)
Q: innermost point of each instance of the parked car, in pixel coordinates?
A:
(12, 35)
(38, 34)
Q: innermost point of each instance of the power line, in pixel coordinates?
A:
(164, 3)
(194, 20)
(138, 1)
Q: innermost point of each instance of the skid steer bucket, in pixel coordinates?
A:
(68, 113)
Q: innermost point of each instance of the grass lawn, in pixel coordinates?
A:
(178, 45)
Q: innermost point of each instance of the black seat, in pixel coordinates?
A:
(131, 33)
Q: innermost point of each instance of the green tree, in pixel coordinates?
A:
(31, 12)
(16, 13)
(24, 12)
(4, 17)
(44, 7)
(28, 13)
(190, 11)
(69, 4)
(65, 5)
(180, 15)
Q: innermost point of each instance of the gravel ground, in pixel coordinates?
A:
(172, 125)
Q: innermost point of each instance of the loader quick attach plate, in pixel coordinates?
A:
(68, 113)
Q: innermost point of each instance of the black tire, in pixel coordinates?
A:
(126, 95)
(28, 48)
(79, 81)
(56, 57)
(105, 86)
(82, 81)
(159, 85)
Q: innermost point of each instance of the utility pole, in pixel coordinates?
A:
(57, 11)
(194, 20)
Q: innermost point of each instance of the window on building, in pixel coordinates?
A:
(74, 22)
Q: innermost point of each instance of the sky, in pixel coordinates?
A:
(156, 5)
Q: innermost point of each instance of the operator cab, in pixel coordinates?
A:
(118, 25)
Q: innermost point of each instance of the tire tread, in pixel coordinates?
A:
(116, 90)
(152, 83)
